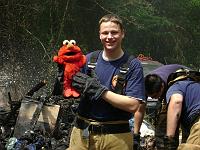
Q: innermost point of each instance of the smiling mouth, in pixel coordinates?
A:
(110, 45)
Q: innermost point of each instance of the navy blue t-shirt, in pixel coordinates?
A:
(190, 90)
(101, 110)
(164, 71)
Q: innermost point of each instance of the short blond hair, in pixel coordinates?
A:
(113, 18)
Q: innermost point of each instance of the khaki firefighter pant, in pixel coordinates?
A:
(193, 141)
(121, 141)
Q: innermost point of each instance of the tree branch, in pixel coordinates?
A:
(39, 42)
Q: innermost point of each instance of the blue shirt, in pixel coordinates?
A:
(101, 110)
(164, 71)
(190, 90)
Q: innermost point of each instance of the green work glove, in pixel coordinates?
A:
(170, 143)
(89, 86)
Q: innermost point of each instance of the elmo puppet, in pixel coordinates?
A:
(72, 59)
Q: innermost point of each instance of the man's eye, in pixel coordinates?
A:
(104, 33)
(114, 32)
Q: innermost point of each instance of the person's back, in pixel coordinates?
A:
(156, 87)
(190, 90)
(187, 94)
(164, 71)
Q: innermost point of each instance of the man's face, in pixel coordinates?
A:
(111, 35)
(158, 94)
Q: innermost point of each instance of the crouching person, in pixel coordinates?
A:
(102, 121)
(183, 98)
(156, 87)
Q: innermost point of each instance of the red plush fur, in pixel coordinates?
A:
(72, 58)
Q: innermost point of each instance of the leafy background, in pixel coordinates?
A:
(31, 32)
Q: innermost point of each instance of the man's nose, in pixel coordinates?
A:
(110, 35)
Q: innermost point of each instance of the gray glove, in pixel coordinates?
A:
(88, 86)
(136, 141)
(170, 143)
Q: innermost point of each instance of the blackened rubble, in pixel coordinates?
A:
(35, 136)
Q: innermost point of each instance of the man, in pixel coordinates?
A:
(156, 80)
(156, 87)
(184, 107)
(103, 114)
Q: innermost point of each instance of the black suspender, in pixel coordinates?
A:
(124, 68)
(93, 59)
(121, 80)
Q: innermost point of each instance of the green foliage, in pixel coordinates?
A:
(31, 32)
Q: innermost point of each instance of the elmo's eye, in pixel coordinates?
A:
(65, 42)
(73, 42)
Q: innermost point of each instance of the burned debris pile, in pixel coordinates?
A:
(35, 123)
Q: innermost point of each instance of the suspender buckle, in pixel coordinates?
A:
(92, 65)
(123, 70)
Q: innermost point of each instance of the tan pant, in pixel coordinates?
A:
(121, 141)
(193, 141)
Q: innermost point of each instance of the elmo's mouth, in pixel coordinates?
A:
(70, 53)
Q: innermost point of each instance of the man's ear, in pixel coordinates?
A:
(99, 35)
(123, 33)
(163, 85)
